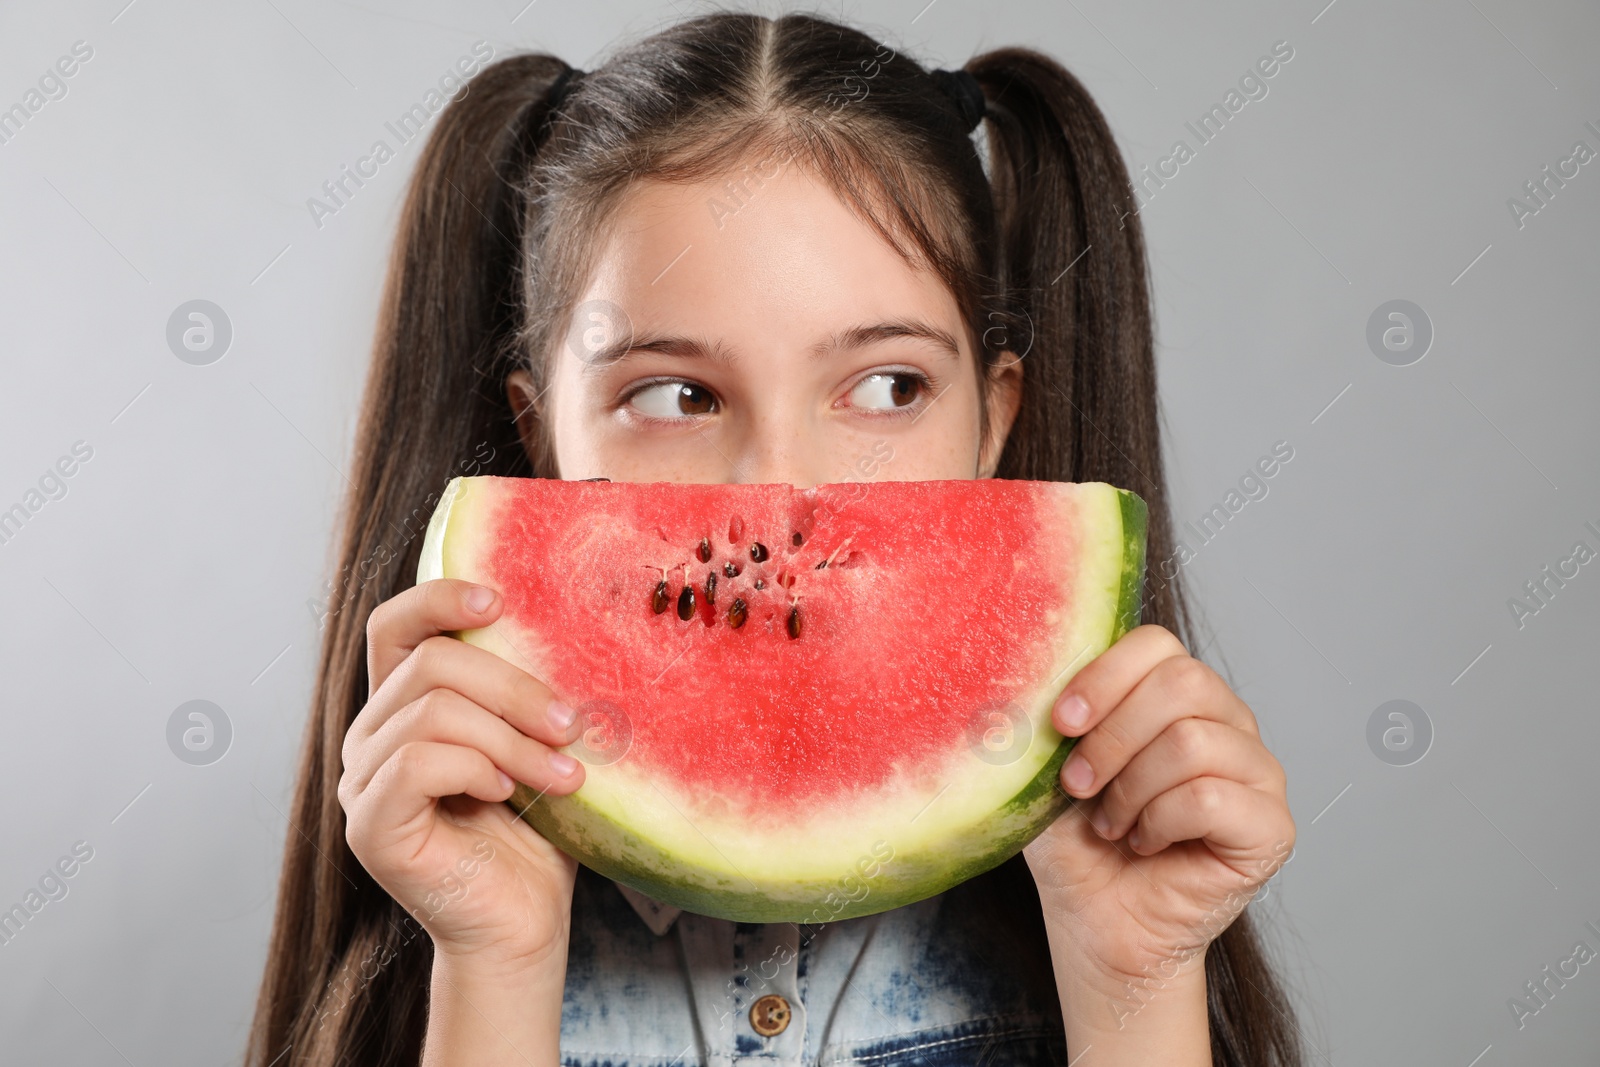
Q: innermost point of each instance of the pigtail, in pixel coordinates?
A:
(1073, 257)
(347, 971)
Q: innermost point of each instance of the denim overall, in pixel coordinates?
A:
(929, 984)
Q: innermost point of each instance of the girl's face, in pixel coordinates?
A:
(780, 340)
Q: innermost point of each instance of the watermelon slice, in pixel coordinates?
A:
(801, 704)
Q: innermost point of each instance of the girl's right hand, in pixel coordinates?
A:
(428, 763)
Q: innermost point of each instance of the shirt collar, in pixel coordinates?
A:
(656, 915)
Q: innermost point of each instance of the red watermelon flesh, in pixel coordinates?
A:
(874, 729)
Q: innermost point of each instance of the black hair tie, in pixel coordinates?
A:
(562, 85)
(537, 119)
(963, 88)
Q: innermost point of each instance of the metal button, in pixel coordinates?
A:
(769, 1015)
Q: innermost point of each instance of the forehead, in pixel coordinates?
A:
(758, 254)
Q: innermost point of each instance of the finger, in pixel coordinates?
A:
(477, 674)
(1174, 688)
(1108, 679)
(405, 620)
(1239, 824)
(1110, 676)
(402, 795)
(446, 716)
(1189, 748)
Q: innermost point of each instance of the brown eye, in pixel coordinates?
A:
(881, 391)
(693, 400)
(672, 400)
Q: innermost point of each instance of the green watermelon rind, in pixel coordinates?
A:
(876, 884)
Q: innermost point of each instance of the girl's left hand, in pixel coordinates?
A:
(1191, 816)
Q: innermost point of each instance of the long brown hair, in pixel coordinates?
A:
(1044, 254)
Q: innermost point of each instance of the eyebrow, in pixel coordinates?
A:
(861, 336)
(716, 352)
(667, 344)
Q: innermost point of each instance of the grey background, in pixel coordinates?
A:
(179, 564)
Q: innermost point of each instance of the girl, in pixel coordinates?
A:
(758, 250)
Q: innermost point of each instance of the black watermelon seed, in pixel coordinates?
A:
(737, 613)
(686, 603)
(794, 621)
(761, 583)
(711, 588)
(730, 569)
(821, 565)
(704, 551)
(798, 539)
(594, 479)
(658, 603)
(758, 551)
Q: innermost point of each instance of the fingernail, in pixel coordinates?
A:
(479, 599)
(1133, 839)
(560, 715)
(1101, 822)
(1079, 775)
(562, 763)
(505, 779)
(1074, 713)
